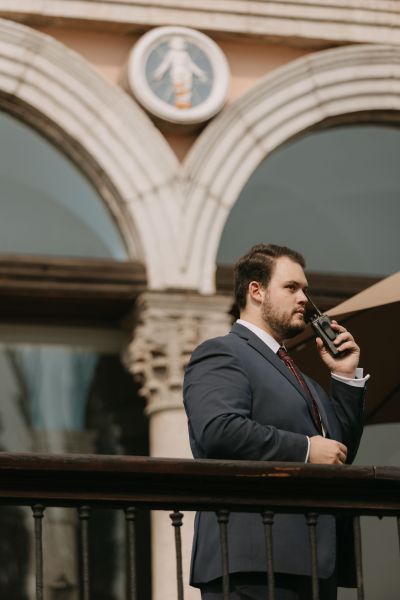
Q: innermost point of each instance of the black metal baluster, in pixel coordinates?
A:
(176, 518)
(398, 529)
(130, 519)
(38, 512)
(312, 519)
(84, 515)
(223, 518)
(358, 557)
(268, 520)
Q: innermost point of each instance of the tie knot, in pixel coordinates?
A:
(284, 356)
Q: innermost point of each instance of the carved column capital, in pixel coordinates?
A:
(170, 326)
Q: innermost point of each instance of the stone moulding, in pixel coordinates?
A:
(306, 22)
(332, 84)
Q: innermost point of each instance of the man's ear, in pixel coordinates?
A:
(256, 292)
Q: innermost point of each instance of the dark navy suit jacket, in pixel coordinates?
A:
(243, 403)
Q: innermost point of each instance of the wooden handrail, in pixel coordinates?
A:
(162, 483)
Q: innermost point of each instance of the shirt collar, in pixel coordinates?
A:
(263, 335)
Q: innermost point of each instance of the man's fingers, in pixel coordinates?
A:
(345, 336)
(342, 453)
(342, 448)
(344, 341)
(350, 345)
(340, 457)
(338, 327)
(326, 451)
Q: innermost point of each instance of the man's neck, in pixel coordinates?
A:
(259, 322)
(270, 341)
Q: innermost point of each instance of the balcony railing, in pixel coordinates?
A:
(128, 483)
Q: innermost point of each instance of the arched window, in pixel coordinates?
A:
(331, 194)
(47, 207)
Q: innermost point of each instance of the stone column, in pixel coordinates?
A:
(170, 326)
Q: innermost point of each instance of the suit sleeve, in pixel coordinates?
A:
(218, 400)
(349, 406)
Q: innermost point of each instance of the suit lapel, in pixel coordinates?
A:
(255, 342)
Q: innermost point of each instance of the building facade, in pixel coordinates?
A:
(123, 212)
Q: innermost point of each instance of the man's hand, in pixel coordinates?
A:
(346, 364)
(326, 452)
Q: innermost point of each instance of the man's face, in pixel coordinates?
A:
(283, 305)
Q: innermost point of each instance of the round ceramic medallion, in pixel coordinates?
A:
(179, 75)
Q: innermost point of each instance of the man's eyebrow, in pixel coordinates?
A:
(293, 282)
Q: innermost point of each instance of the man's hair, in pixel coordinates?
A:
(258, 265)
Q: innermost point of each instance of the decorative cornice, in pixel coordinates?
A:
(96, 291)
(307, 22)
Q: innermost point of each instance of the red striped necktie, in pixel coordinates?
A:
(289, 362)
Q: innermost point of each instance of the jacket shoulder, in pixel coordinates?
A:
(221, 343)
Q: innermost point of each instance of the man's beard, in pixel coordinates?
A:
(280, 324)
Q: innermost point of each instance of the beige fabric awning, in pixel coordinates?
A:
(385, 291)
(373, 317)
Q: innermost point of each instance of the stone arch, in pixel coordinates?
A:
(103, 131)
(349, 84)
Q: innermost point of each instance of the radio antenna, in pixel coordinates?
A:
(319, 313)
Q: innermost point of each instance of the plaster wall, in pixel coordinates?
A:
(108, 53)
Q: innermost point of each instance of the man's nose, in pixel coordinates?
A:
(302, 298)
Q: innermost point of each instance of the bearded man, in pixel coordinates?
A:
(246, 400)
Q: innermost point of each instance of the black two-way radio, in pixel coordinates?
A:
(322, 326)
